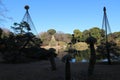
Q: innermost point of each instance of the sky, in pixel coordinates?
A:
(63, 15)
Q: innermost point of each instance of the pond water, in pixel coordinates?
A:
(73, 60)
(83, 56)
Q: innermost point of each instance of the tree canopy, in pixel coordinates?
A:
(77, 35)
(51, 31)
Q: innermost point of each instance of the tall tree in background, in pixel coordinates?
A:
(51, 31)
(59, 36)
(77, 35)
(21, 28)
(53, 40)
(96, 33)
(85, 34)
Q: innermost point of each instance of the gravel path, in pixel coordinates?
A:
(41, 71)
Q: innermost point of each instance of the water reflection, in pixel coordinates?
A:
(83, 56)
(73, 60)
(77, 56)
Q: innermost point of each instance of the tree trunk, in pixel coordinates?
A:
(92, 60)
(67, 70)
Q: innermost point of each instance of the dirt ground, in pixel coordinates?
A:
(41, 70)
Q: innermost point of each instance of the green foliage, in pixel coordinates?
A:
(77, 35)
(51, 31)
(37, 41)
(14, 44)
(21, 28)
(78, 58)
(85, 34)
(113, 49)
(91, 40)
(81, 46)
(96, 33)
(59, 36)
(81, 55)
(73, 40)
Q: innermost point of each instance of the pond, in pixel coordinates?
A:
(83, 56)
(73, 60)
(77, 57)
